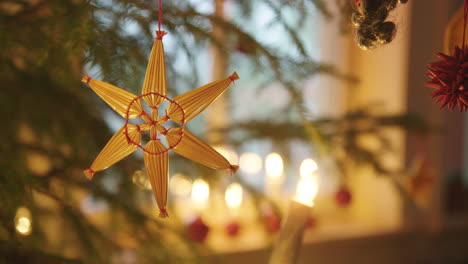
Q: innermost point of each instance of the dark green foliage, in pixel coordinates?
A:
(46, 46)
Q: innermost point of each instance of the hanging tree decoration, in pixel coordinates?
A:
(181, 109)
(369, 18)
(449, 76)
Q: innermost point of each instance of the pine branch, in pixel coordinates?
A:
(42, 90)
(14, 252)
(289, 30)
(322, 7)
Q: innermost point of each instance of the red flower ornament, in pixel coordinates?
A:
(449, 78)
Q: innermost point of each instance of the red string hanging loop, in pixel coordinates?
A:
(160, 15)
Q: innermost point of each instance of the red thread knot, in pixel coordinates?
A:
(164, 132)
(86, 79)
(160, 35)
(89, 173)
(233, 169)
(163, 213)
(234, 77)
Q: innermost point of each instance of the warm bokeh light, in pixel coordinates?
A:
(228, 153)
(250, 162)
(23, 226)
(306, 190)
(274, 166)
(233, 195)
(308, 167)
(23, 223)
(140, 179)
(200, 193)
(180, 185)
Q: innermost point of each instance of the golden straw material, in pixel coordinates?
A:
(116, 149)
(155, 78)
(157, 170)
(115, 97)
(181, 110)
(197, 150)
(195, 101)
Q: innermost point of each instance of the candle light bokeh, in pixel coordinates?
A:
(23, 222)
(233, 195)
(274, 167)
(200, 194)
(250, 163)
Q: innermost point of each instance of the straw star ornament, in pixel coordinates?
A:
(181, 109)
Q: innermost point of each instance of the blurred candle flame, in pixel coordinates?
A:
(308, 167)
(233, 195)
(23, 223)
(200, 193)
(306, 190)
(274, 167)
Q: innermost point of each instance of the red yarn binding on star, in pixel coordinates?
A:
(163, 213)
(160, 35)
(91, 173)
(232, 78)
(233, 169)
(182, 124)
(88, 79)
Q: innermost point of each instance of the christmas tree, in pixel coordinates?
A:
(54, 125)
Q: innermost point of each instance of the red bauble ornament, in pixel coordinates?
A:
(343, 197)
(198, 230)
(423, 178)
(311, 222)
(232, 229)
(241, 48)
(272, 222)
(449, 77)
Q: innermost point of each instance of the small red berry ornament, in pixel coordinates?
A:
(311, 222)
(343, 197)
(449, 78)
(272, 222)
(232, 229)
(240, 47)
(198, 230)
(423, 178)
